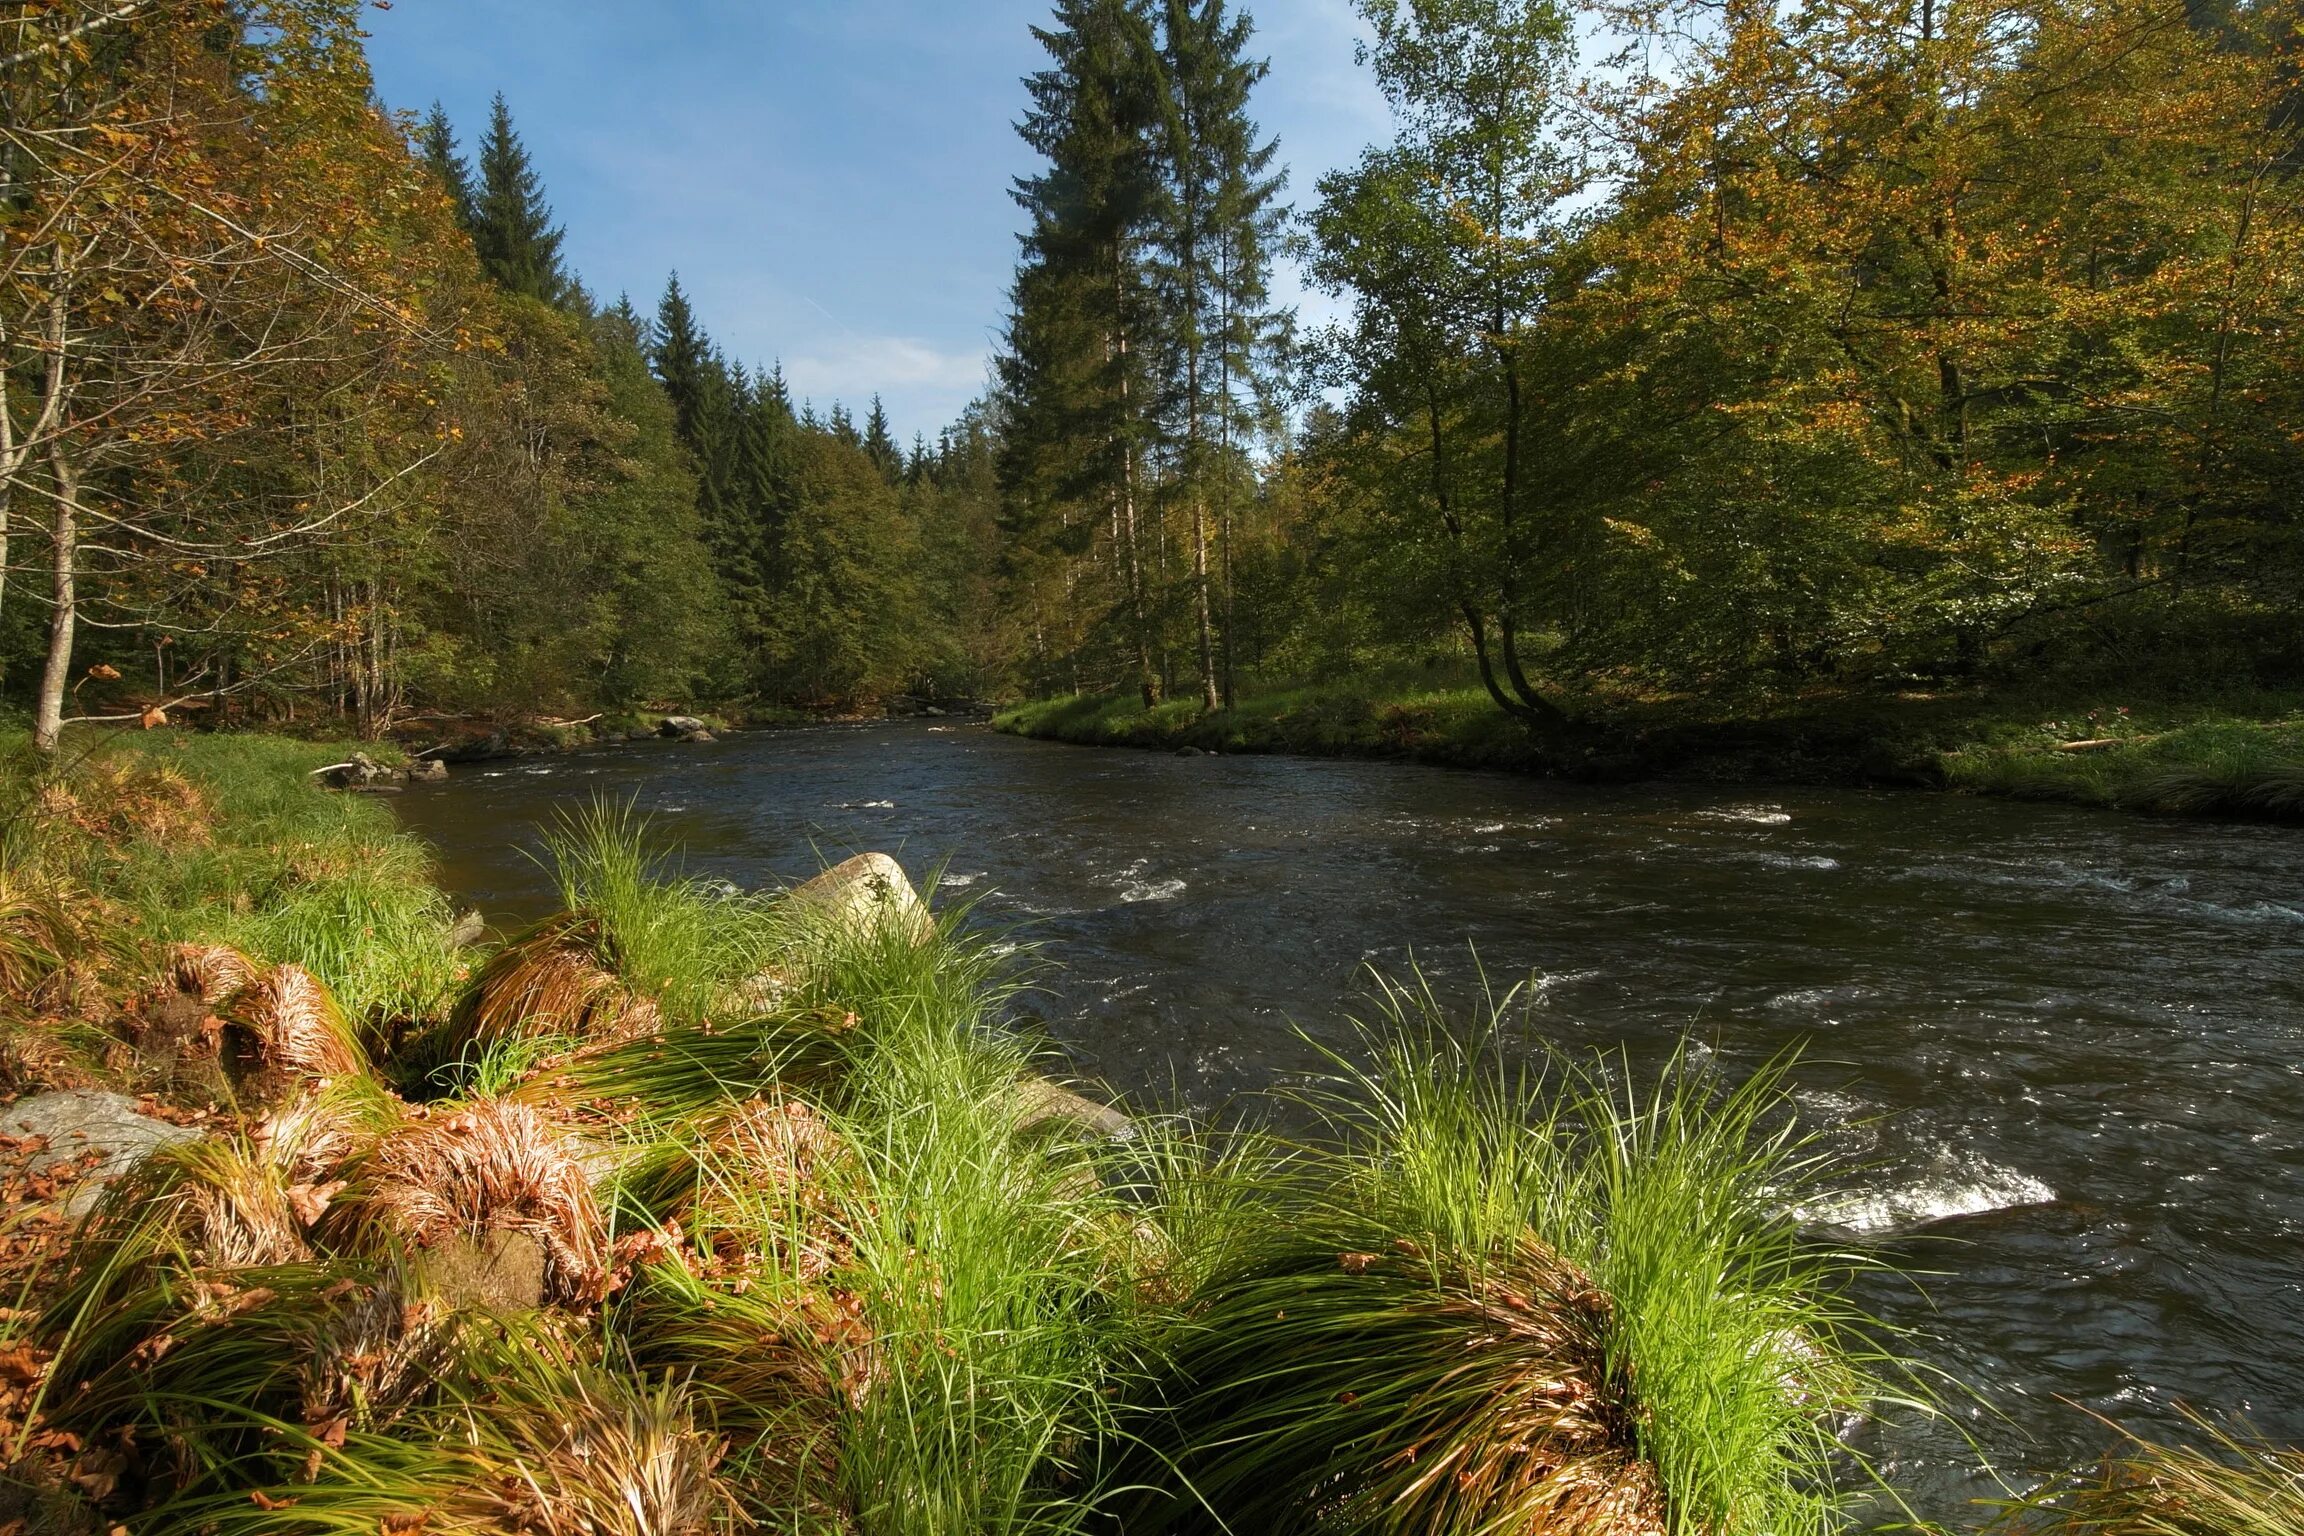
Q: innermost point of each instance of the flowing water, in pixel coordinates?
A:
(2064, 1049)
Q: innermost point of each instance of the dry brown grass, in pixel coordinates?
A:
(550, 982)
(299, 1033)
(213, 973)
(223, 1025)
(587, 1452)
(492, 1165)
(379, 1351)
(127, 801)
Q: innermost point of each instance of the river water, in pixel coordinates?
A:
(2062, 1051)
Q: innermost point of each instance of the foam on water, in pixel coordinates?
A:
(1954, 1184)
(1749, 815)
(1134, 884)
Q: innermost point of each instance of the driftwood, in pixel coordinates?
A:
(2098, 744)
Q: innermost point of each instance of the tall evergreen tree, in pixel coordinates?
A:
(880, 443)
(436, 141)
(1215, 220)
(511, 224)
(1074, 374)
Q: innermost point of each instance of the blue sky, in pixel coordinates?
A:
(830, 177)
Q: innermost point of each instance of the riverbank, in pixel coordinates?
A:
(712, 1211)
(2239, 757)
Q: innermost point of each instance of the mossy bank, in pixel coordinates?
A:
(2239, 756)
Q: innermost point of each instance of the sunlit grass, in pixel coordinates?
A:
(1522, 1301)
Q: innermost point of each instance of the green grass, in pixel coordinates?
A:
(1567, 1301)
(1407, 716)
(678, 941)
(2240, 755)
(228, 839)
(2163, 762)
(2231, 1482)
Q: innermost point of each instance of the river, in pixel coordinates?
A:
(2062, 1050)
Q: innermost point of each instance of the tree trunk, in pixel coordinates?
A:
(1147, 681)
(48, 721)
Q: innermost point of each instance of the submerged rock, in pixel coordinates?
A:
(104, 1134)
(1040, 1101)
(869, 889)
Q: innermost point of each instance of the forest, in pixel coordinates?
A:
(1682, 351)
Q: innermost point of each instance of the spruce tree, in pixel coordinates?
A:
(511, 224)
(681, 355)
(436, 142)
(880, 443)
(1073, 378)
(1216, 221)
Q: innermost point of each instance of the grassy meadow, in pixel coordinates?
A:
(690, 1211)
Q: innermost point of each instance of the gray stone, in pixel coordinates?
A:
(1040, 1101)
(698, 738)
(680, 725)
(359, 771)
(470, 929)
(425, 770)
(81, 1121)
(870, 888)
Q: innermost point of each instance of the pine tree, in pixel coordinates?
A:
(1215, 220)
(880, 443)
(436, 141)
(681, 355)
(1074, 377)
(511, 223)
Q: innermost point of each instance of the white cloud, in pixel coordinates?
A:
(924, 386)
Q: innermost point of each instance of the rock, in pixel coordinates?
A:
(870, 888)
(933, 713)
(474, 749)
(698, 738)
(1040, 1101)
(639, 733)
(359, 771)
(427, 771)
(680, 726)
(470, 929)
(499, 1271)
(1190, 752)
(80, 1122)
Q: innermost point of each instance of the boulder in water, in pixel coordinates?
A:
(868, 890)
(427, 771)
(360, 771)
(681, 726)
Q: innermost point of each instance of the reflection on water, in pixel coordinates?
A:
(2068, 1046)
